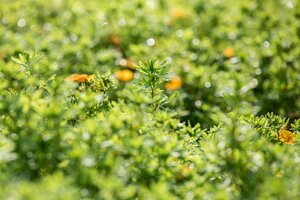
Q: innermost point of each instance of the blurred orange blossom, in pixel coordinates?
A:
(174, 84)
(124, 75)
(80, 78)
(286, 136)
(228, 52)
(128, 63)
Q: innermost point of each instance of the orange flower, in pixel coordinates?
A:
(177, 13)
(80, 78)
(115, 40)
(128, 63)
(228, 52)
(286, 136)
(174, 84)
(124, 75)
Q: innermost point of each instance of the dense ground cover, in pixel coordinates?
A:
(149, 99)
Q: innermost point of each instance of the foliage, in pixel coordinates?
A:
(214, 116)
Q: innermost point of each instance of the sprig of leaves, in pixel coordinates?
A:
(153, 75)
(27, 60)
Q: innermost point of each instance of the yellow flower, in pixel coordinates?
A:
(286, 136)
(124, 75)
(186, 169)
(80, 78)
(174, 84)
(228, 52)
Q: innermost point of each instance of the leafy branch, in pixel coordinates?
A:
(153, 75)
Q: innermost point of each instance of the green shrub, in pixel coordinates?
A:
(81, 119)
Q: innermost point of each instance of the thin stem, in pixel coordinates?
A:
(152, 98)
